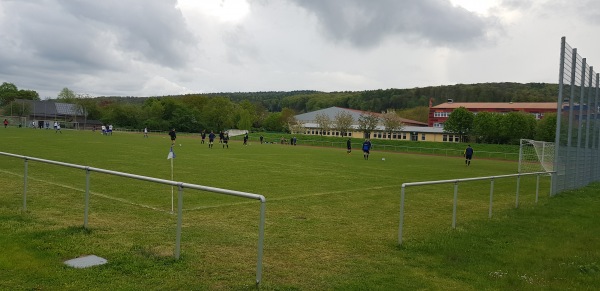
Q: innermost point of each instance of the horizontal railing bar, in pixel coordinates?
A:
(404, 185)
(144, 178)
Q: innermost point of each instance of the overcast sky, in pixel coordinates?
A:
(167, 47)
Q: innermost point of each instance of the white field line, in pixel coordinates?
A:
(91, 192)
(211, 206)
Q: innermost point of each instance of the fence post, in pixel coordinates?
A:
(455, 203)
(87, 198)
(179, 219)
(261, 239)
(537, 187)
(25, 188)
(491, 197)
(401, 215)
(517, 199)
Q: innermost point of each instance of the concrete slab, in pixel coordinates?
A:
(87, 261)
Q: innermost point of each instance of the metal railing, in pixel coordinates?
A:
(180, 186)
(456, 181)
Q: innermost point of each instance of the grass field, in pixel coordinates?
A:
(331, 223)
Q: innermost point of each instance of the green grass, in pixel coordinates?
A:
(332, 220)
(496, 151)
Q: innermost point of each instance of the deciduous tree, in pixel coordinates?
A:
(323, 122)
(546, 128)
(459, 122)
(343, 122)
(391, 122)
(367, 123)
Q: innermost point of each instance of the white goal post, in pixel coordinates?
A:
(536, 156)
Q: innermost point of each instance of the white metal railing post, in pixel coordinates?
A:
(261, 239)
(517, 199)
(491, 197)
(455, 203)
(87, 198)
(401, 215)
(179, 220)
(25, 188)
(537, 187)
(552, 183)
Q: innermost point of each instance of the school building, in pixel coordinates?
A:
(439, 114)
(412, 130)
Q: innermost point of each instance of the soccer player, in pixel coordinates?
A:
(58, 128)
(366, 147)
(468, 154)
(173, 136)
(211, 139)
(226, 140)
(203, 135)
(246, 139)
(349, 145)
(145, 132)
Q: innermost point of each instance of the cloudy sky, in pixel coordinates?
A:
(165, 47)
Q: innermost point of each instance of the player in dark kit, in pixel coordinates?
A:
(468, 155)
(366, 147)
(203, 135)
(349, 145)
(211, 139)
(226, 140)
(173, 136)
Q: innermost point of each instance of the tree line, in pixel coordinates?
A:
(498, 128)
(274, 111)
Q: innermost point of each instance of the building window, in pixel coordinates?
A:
(438, 124)
(444, 137)
(441, 114)
(404, 135)
(422, 136)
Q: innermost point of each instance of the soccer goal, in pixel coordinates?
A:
(536, 156)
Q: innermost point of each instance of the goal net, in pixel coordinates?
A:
(536, 156)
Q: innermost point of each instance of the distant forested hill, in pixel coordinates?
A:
(383, 99)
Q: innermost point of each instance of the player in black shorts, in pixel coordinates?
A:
(468, 155)
(173, 136)
(226, 140)
(366, 148)
(211, 139)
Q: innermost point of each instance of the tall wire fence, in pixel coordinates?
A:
(577, 155)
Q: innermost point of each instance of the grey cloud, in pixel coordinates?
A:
(366, 23)
(153, 30)
(102, 34)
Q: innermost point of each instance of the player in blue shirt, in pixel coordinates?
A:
(468, 155)
(211, 139)
(366, 147)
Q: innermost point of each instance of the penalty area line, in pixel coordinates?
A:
(91, 192)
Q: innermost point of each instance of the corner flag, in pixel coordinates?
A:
(171, 154)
